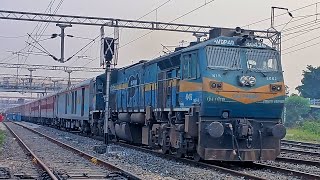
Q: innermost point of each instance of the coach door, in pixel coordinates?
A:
(82, 101)
(161, 90)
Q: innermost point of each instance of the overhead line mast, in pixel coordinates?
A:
(47, 67)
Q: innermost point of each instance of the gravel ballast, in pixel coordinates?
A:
(59, 160)
(140, 162)
(14, 158)
(143, 164)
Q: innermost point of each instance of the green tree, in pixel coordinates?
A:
(296, 107)
(310, 83)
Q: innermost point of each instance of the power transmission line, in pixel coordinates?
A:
(27, 45)
(266, 19)
(301, 43)
(301, 48)
(44, 28)
(142, 36)
(158, 7)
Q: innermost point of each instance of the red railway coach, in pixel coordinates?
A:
(35, 108)
(1, 117)
(47, 108)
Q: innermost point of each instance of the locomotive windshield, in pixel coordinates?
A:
(255, 59)
(262, 60)
(223, 57)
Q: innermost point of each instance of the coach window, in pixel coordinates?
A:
(75, 101)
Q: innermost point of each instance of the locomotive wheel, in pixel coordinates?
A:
(196, 157)
(180, 154)
(165, 150)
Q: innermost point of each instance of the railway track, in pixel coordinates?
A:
(300, 151)
(61, 161)
(234, 169)
(298, 161)
(224, 167)
(15, 161)
(300, 144)
(187, 161)
(296, 173)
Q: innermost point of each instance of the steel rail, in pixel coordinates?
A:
(100, 162)
(303, 175)
(298, 161)
(301, 144)
(42, 164)
(300, 174)
(292, 150)
(189, 161)
(206, 165)
(183, 160)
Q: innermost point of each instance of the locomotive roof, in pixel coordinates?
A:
(198, 46)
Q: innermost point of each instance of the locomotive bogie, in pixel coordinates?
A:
(239, 139)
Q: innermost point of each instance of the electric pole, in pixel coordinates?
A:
(62, 35)
(69, 77)
(18, 54)
(31, 70)
(55, 83)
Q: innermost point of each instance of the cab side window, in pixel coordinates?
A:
(190, 66)
(186, 66)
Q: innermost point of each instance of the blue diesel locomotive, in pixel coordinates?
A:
(220, 99)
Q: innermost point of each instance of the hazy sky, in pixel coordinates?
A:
(224, 13)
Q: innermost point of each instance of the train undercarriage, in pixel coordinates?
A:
(185, 133)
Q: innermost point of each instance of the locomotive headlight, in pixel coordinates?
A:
(243, 80)
(213, 85)
(216, 85)
(275, 87)
(219, 85)
(252, 81)
(279, 88)
(247, 80)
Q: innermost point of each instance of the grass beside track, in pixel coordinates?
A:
(2, 137)
(308, 131)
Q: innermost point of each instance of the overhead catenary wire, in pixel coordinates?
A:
(153, 10)
(45, 26)
(27, 45)
(37, 42)
(303, 42)
(318, 43)
(266, 19)
(189, 12)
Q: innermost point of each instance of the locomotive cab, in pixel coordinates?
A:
(242, 101)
